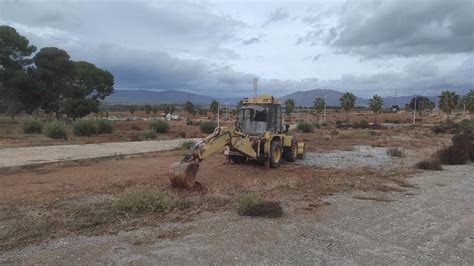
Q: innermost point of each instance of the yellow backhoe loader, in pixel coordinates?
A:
(258, 135)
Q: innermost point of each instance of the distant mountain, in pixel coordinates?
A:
(303, 98)
(162, 97)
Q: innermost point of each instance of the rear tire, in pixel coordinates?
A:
(238, 159)
(292, 152)
(275, 154)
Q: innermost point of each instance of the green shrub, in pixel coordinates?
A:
(104, 126)
(453, 155)
(304, 127)
(142, 199)
(189, 122)
(467, 124)
(451, 128)
(148, 134)
(430, 164)
(364, 123)
(85, 128)
(31, 126)
(160, 126)
(188, 144)
(254, 205)
(207, 126)
(317, 125)
(55, 130)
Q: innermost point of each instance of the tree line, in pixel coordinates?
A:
(48, 80)
(448, 102)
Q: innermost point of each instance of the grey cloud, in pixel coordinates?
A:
(399, 28)
(251, 41)
(163, 25)
(405, 28)
(278, 14)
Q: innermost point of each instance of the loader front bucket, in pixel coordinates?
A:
(183, 175)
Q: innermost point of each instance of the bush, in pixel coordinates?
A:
(395, 152)
(364, 123)
(32, 127)
(430, 164)
(453, 155)
(135, 127)
(324, 124)
(304, 127)
(55, 130)
(207, 126)
(334, 132)
(189, 122)
(104, 126)
(254, 205)
(182, 134)
(451, 128)
(160, 126)
(186, 145)
(85, 128)
(392, 121)
(467, 124)
(148, 134)
(142, 199)
(317, 125)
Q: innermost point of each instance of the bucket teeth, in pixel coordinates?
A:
(183, 174)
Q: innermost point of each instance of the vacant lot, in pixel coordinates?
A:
(331, 214)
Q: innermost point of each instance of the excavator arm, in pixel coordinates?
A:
(184, 173)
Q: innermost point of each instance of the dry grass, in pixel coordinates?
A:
(255, 205)
(430, 164)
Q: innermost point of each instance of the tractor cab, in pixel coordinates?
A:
(259, 114)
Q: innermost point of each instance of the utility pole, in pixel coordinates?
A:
(255, 85)
(218, 109)
(325, 104)
(414, 112)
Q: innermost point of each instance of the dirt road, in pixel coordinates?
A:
(430, 224)
(13, 157)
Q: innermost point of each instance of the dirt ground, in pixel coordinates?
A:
(62, 212)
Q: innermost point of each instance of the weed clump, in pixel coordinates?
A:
(451, 128)
(160, 126)
(142, 199)
(305, 127)
(148, 134)
(32, 127)
(430, 164)
(186, 145)
(189, 122)
(207, 126)
(254, 205)
(55, 130)
(395, 152)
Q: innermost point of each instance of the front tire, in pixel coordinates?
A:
(275, 154)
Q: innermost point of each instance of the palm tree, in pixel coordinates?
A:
(448, 101)
(375, 105)
(347, 102)
(319, 105)
(468, 100)
(214, 108)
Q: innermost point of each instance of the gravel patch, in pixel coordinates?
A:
(357, 156)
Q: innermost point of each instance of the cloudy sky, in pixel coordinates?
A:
(218, 47)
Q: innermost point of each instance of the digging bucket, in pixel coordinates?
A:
(183, 175)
